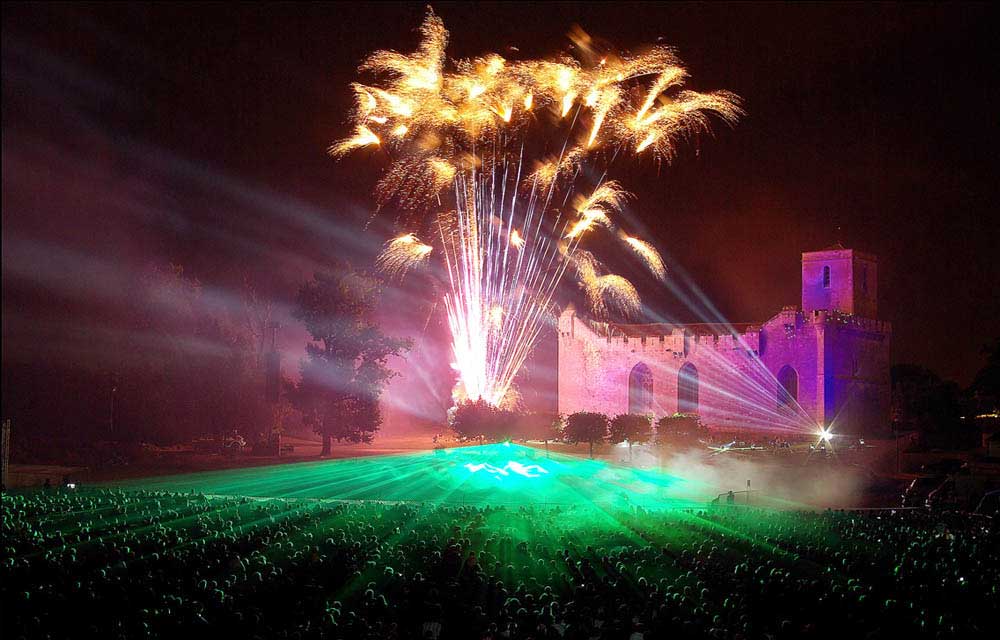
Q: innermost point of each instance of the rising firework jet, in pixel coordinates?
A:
(496, 161)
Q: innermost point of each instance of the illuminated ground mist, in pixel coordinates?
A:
(489, 474)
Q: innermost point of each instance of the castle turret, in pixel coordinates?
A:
(839, 279)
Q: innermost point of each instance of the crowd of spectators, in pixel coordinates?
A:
(112, 564)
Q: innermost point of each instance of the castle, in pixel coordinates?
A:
(826, 365)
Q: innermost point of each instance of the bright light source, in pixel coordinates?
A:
(825, 434)
(526, 470)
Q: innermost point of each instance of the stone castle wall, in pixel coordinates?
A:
(836, 362)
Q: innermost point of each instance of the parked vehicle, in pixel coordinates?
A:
(230, 443)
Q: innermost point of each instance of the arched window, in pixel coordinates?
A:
(640, 390)
(788, 387)
(826, 277)
(687, 389)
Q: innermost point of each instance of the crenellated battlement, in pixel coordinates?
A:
(679, 338)
(820, 316)
(866, 324)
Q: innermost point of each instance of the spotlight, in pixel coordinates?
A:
(825, 434)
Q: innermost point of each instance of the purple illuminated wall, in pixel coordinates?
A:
(840, 359)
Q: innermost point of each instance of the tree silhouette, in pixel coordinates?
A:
(631, 428)
(586, 426)
(474, 419)
(540, 425)
(684, 428)
(345, 369)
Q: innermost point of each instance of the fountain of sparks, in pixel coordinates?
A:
(502, 278)
(511, 222)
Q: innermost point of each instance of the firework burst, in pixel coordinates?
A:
(402, 254)
(486, 155)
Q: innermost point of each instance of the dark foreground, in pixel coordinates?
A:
(113, 564)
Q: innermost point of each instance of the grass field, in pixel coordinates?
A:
(488, 474)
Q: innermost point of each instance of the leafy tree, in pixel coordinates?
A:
(183, 369)
(256, 316)
(586, 426)
(684, 428)
(540, 425)
(478, 419)
(473, 419)
(921, 400)
(346, 365)
(983, 396)
(631, 428)
(924, 402)
(167, 363)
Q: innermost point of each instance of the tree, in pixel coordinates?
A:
(184, 369)
(256, 317)
(924, 402)
(983, 396)
(540, 425)
(921, 400)
(685, 428)
(165, 363)
(586, 426)
(630, 428)
(346, 365)
(475, 420)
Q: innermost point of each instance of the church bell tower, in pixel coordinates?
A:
(839, 279)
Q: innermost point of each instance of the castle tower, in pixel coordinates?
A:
(839, 279)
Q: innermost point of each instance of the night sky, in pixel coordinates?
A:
(198, 135)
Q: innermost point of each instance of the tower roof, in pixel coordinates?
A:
(838, 251)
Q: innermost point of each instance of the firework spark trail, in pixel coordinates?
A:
(402, 254)
(649, 255)
(471, 128)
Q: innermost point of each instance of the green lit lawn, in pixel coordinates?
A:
(488, 474)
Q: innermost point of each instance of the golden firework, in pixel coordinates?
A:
(419, 107)
(489, 151)
(402, 254)
(649, 255)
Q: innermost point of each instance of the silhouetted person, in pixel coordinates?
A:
(730, 498)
